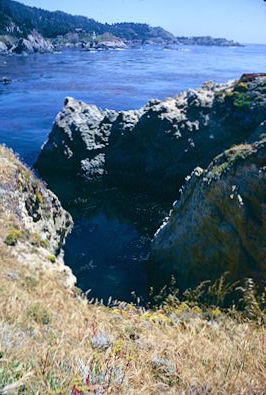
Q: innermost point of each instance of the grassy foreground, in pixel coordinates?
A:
(52, 341)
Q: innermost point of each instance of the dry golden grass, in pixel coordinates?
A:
(53, 342)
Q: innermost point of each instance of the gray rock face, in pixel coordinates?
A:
(154, 148)
(32, 44)
(219, 223)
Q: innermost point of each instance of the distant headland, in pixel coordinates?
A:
(25, 29)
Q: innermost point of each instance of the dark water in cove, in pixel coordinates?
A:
(110, 242)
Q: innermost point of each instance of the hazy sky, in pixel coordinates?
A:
(241, 20)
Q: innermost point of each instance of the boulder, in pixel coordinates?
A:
(154, 148)
(219, 223)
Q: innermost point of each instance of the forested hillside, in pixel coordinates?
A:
(18, 19)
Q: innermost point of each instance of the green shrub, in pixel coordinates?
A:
(13, 236)
(51, 258)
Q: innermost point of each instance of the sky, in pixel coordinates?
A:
(240, 20)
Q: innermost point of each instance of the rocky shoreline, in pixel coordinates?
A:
(28, 30)
(155, 148)
(36, 43)
(54, 338)
(33, 43)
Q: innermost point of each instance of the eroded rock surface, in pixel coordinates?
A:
(154, 148)
(219, 223)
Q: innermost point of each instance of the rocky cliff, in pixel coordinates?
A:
(33, 223)
(154, 148)
(219, 223)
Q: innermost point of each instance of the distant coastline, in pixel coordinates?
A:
(26, 30)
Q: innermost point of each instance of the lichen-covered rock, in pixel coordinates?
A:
(219, 223)
(152, 149)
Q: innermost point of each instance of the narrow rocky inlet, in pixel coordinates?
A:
(217, 224)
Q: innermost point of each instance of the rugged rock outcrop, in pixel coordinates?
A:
(30, 44)
(34, 207)
(207, 41)
(111, 44)
(219, 223)
(152, 149)
(89, 42)
(34, 42)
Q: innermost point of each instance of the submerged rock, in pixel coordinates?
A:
(154, 148)
(5, 80)
(219, 223)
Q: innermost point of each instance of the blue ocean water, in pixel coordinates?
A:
(106, 251)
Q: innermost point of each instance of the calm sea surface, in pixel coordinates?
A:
(107, 251)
